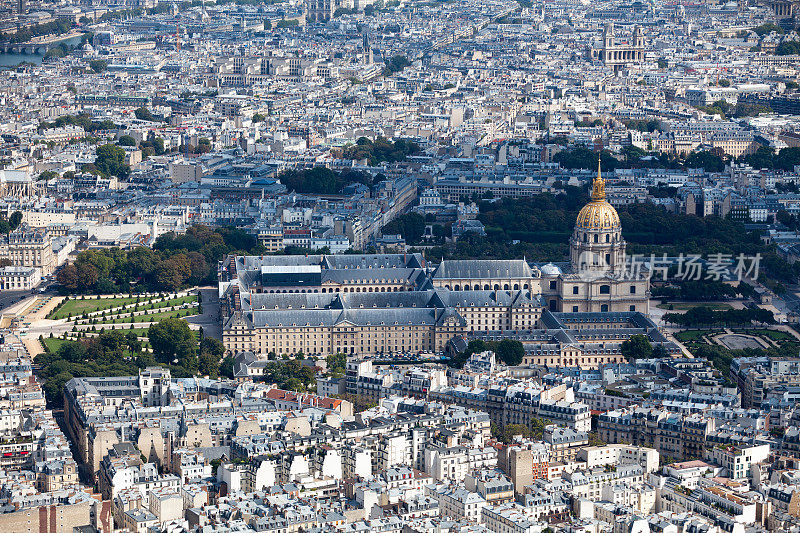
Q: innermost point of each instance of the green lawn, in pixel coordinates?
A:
(53, 344)
(693, 338)
(685, 306)
(174, 301)
(691, 335)
(77, 306)
(778, 336)
(150, 317)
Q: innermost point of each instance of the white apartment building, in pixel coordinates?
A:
(738, 459)
(612, 454)
(458, 503)
(510, 518)
(19, 278)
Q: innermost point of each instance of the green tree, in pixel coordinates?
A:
(143, 113)
(380, 150)
(707, 160)
(126, 140)
(336, 364)
(172, 340)
(212, 346)
(410, 226)
(15, 220)
(396, 64)
(226, 367)
(134, 344)
(110, 161)
(208, 364)
(510, 352)
(637, 347)
(768, 28)
(98, 65)
(47, 175)
(787, 48)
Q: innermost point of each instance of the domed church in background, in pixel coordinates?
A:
(596, 279)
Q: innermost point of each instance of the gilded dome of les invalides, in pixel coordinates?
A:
(598, 214)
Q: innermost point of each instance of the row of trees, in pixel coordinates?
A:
(509, 352)
(738, 110)
(508, 432)
(765, 157)
(109, 161)
(705, 316)
(396, 64)
(153, 145)
(83, 120)
(175, 262)
(174, 344)
(539, 229)
(380, 150)
(120, 353)
(23, 35)
(714, 160)
(322, 180)
(410, 226)
(788, 48)
(706, 290)
(640, 347)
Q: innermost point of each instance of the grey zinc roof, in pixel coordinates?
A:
(378, 275)
(485, 298)
(373, 261)
(483, 269)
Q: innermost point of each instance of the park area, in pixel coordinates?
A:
(99, 311)
(722, 345)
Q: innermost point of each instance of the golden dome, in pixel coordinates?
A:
(598, 214)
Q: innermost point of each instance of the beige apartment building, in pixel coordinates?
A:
(31, 247)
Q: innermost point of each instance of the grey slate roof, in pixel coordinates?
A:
(483, 269)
